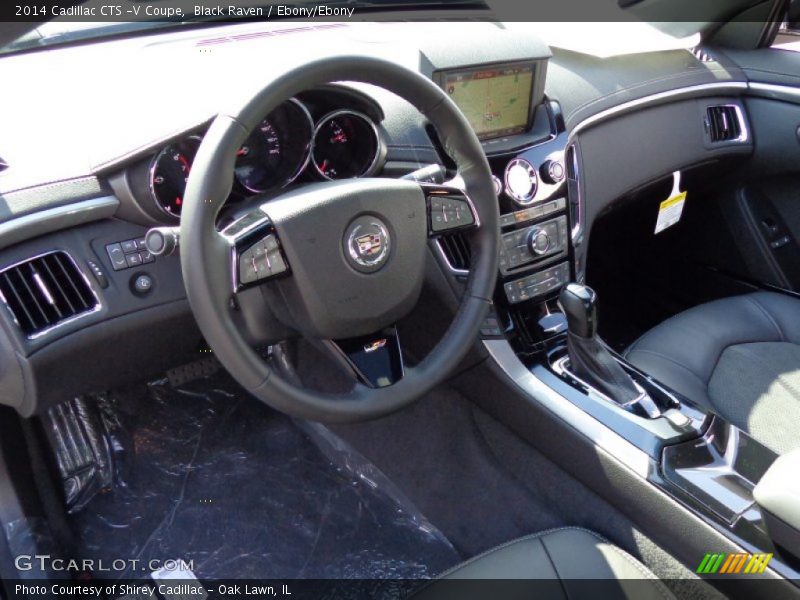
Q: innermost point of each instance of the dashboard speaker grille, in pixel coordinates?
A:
(46, 291)
(723, 123)
(456, 250)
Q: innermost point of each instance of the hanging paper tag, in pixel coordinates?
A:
(670, 210)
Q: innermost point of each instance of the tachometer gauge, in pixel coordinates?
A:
(169, 172)
(277, 151)
(345, 145)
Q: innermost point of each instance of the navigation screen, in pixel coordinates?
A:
(496, 101)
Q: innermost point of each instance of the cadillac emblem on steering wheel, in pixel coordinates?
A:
(367, 244)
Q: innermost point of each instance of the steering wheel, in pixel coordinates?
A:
(340, 260)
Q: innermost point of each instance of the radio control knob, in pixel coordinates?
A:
(538, 241)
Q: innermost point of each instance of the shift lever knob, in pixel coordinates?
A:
(579, 304)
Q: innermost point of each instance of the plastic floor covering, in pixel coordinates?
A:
(207, 474)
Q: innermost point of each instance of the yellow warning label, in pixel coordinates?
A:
(672, 201)
(669, 211)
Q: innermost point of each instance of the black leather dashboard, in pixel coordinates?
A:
(632, 120)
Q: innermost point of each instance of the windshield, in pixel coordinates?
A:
(98, 19)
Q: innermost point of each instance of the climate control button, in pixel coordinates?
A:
(538, 241)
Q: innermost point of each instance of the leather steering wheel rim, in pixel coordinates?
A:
(205, 254)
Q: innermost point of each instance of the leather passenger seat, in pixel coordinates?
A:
(569, 563)
(738, 357)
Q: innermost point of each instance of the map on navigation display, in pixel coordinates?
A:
(495, 101)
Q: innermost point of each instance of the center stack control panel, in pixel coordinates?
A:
(534, 251)
(536, 220)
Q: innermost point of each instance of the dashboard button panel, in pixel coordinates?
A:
(532, 213)
(538, 284)
(522, 246)
(128, 254)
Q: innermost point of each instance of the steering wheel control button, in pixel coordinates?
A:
(142, 284)
(521, 181)
(261, 261)
(367, 244)
(448, 213)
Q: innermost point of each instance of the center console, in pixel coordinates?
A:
(693, 457)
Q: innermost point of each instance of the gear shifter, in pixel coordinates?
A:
(589, 358)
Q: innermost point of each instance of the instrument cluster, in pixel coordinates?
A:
(287, 145)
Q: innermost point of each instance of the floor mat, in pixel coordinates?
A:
(207, 474)
(434, 451)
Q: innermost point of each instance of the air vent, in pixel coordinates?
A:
(574, 193)
(456, 251)
(45, 291)
(724, 123)
(702, 55)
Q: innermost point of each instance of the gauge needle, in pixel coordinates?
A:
(242, 151)
(324, 166)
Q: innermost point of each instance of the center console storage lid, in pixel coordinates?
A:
(778, 495)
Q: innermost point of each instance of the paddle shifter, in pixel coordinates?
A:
(589, 358)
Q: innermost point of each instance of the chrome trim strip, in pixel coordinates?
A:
(653, 99)
(577, 227)
(774, 90)
(98, 306)
(603, 437)
(53, 219)
(561, 367)
(443, 256)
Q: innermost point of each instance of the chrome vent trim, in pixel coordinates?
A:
(574, 195)
(46, 292)
(702, 55)
(456, 253)
(725, 123)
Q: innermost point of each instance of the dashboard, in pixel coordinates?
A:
(327, 134)
(555, 126)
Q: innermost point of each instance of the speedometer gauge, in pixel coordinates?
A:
(345, 145)
(169, 172)
(277, 151)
